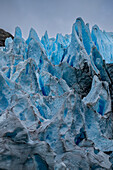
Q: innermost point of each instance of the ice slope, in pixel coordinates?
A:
(56, 101)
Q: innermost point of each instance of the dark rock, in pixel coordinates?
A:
(3, 36)
(110, 73)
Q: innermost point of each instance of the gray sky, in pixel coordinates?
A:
(55, 16)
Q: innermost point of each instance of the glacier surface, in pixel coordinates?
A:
(56, 100)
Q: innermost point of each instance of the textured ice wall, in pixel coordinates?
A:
(56, 101)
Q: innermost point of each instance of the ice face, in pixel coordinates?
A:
(99, 96)
(56, 49)
(56, 100)
(8, 44)
(18, 32)
(83, 33)
(103, 41)
(32, 35)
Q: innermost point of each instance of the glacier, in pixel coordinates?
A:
(56, 100)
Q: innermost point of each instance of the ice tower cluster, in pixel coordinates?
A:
(56, 101)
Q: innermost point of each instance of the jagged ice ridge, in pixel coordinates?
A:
(56, 100)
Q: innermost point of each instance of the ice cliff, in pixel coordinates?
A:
(56, 101)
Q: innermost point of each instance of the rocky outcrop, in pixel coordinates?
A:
(3, 36)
